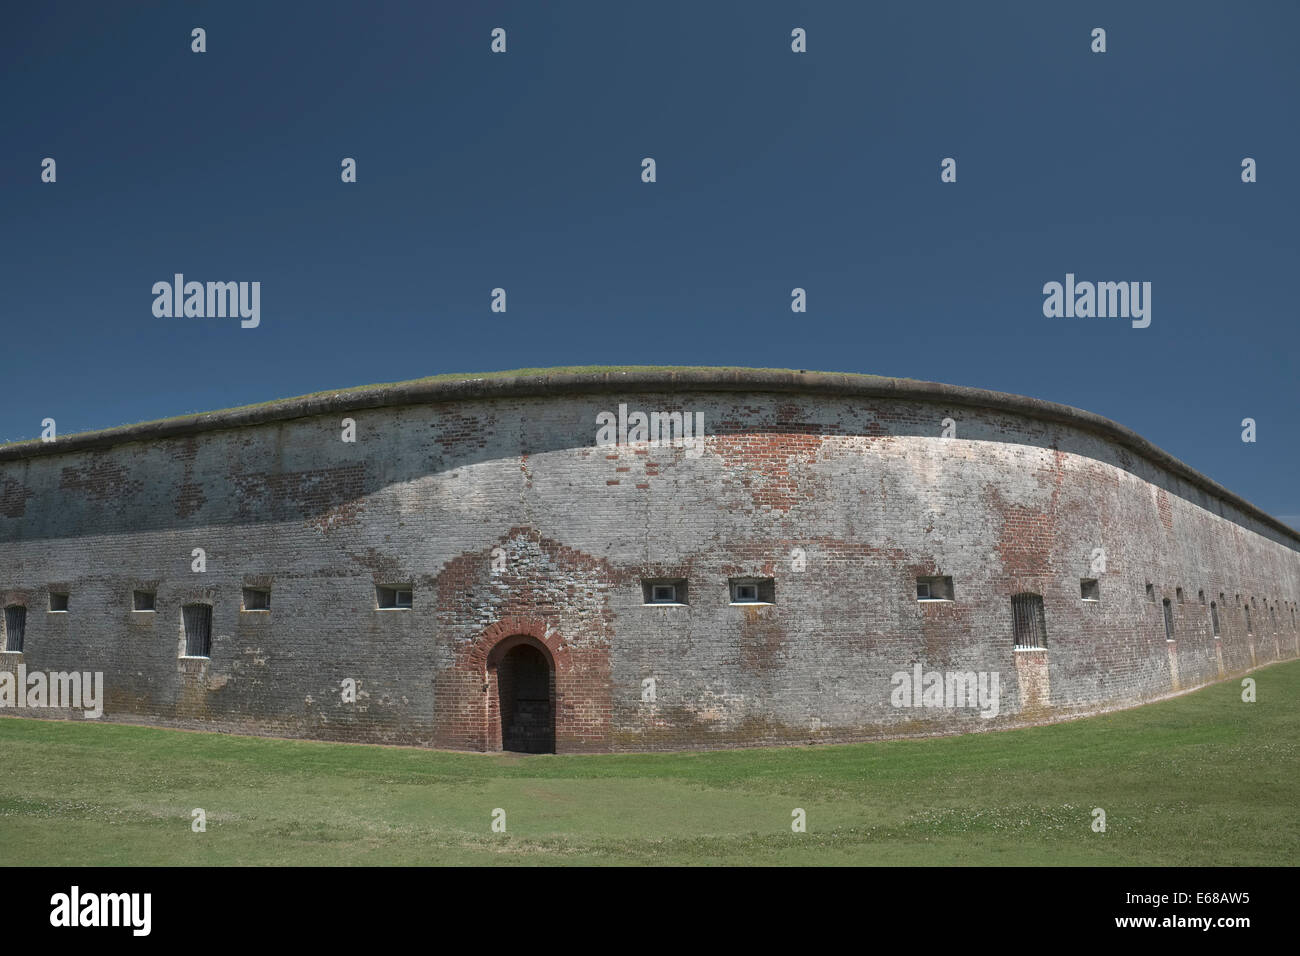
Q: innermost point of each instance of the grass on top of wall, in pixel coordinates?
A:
(1202, 779)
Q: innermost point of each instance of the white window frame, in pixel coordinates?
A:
(928, 582)
(655, 598)
(398, 590)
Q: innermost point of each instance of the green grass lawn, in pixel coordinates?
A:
(1203, 779)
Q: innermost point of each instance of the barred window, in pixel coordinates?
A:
(1030, 622)
(198, 629)
(15, 625)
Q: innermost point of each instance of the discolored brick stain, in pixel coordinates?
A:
(1026, 542)
(189, 496)
(1166, 512)
(313, 493)
(13, 498)
(457, 433)
(767, 466)
(99, 479)
(762, 640)
(862, 485)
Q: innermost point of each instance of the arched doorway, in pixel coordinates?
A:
(526, 692)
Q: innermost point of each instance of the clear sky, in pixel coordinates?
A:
(775, 170)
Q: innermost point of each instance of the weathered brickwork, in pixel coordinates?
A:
(511, 526)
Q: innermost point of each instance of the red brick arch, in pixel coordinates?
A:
(467, 707)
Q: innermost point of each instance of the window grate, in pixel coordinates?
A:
(15, 626)
(1030, 622)
(198, 629)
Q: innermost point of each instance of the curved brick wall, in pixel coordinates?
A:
(848, 472)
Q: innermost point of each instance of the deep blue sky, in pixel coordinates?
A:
(775, 170)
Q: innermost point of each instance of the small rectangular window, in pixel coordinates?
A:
(257, 599)
(1178, 592)
(663, 591)
(58, 602)
(395, 597)
(142, 600)
(752, 590)
(1090, 589)
(15, 626)
(1169, 620)
(1151, 593)
(197, 619)
(1029, 621)
(1249, 628)
(934, 589)
(1214, 617)
(1201, 596)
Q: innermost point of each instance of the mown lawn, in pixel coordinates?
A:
(1204, 779)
